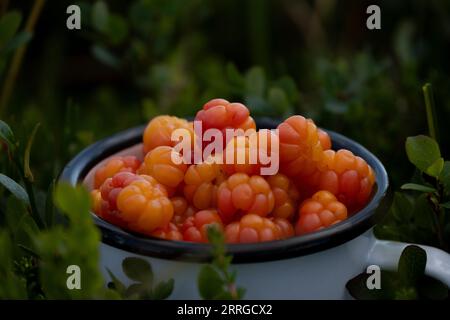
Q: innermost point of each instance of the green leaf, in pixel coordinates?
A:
(255, 82)
(116, 284)
(435, 169)
(357, 287)
(138, 291)
(16, 189)
(74, 201)
(138, 269)
(405, 293)
(105, 56)
(423, 217)
(163, 290)
(417, 187)
(233, 75)
(422, 151)
(278, 100)
(9, 24)
(444, 177)
(19, 40)
(401, 207)
(6, 134)
(411, 265)
(100, 15)
(210, 284)
(26, 165)
(446, 205)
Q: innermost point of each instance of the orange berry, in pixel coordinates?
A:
(300, 147)
(324, 139)
(285, 194)
(159, 131)
(250, 153)
(109, 191)
(348, 177)
(200, 184)
(285, 227)
(241, 194)
(319, 211)
(113, 166)
(144, 205)
(253, 228)
(158, 163)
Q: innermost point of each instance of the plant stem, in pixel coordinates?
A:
(34, 210)
(431, 111)
(436, 213)
(18, 57)
(30, 191)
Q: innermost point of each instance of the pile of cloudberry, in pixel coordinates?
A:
(315, 186)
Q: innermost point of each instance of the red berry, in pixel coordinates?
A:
(170, 232)
(221, 114)
(113, 166)
(181, 210)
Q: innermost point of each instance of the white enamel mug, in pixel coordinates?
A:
(313, 266)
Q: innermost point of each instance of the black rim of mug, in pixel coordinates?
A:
(77, 169)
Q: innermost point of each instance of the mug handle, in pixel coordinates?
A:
(386, 254)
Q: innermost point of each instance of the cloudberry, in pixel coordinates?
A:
(318, 212)
(96, 199)
(159, 131)
(158, 163)
(113, 166)
(285, 194)
(285, 227)
(348, 177)
(200, 184)
(221, 114)
(252, 228)
(169, 232)
(250, 153)
(300, 147)
(181, 210)
(109, 191)
(241, 194)
(195, 228)
(144, 205)
(324, 139)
